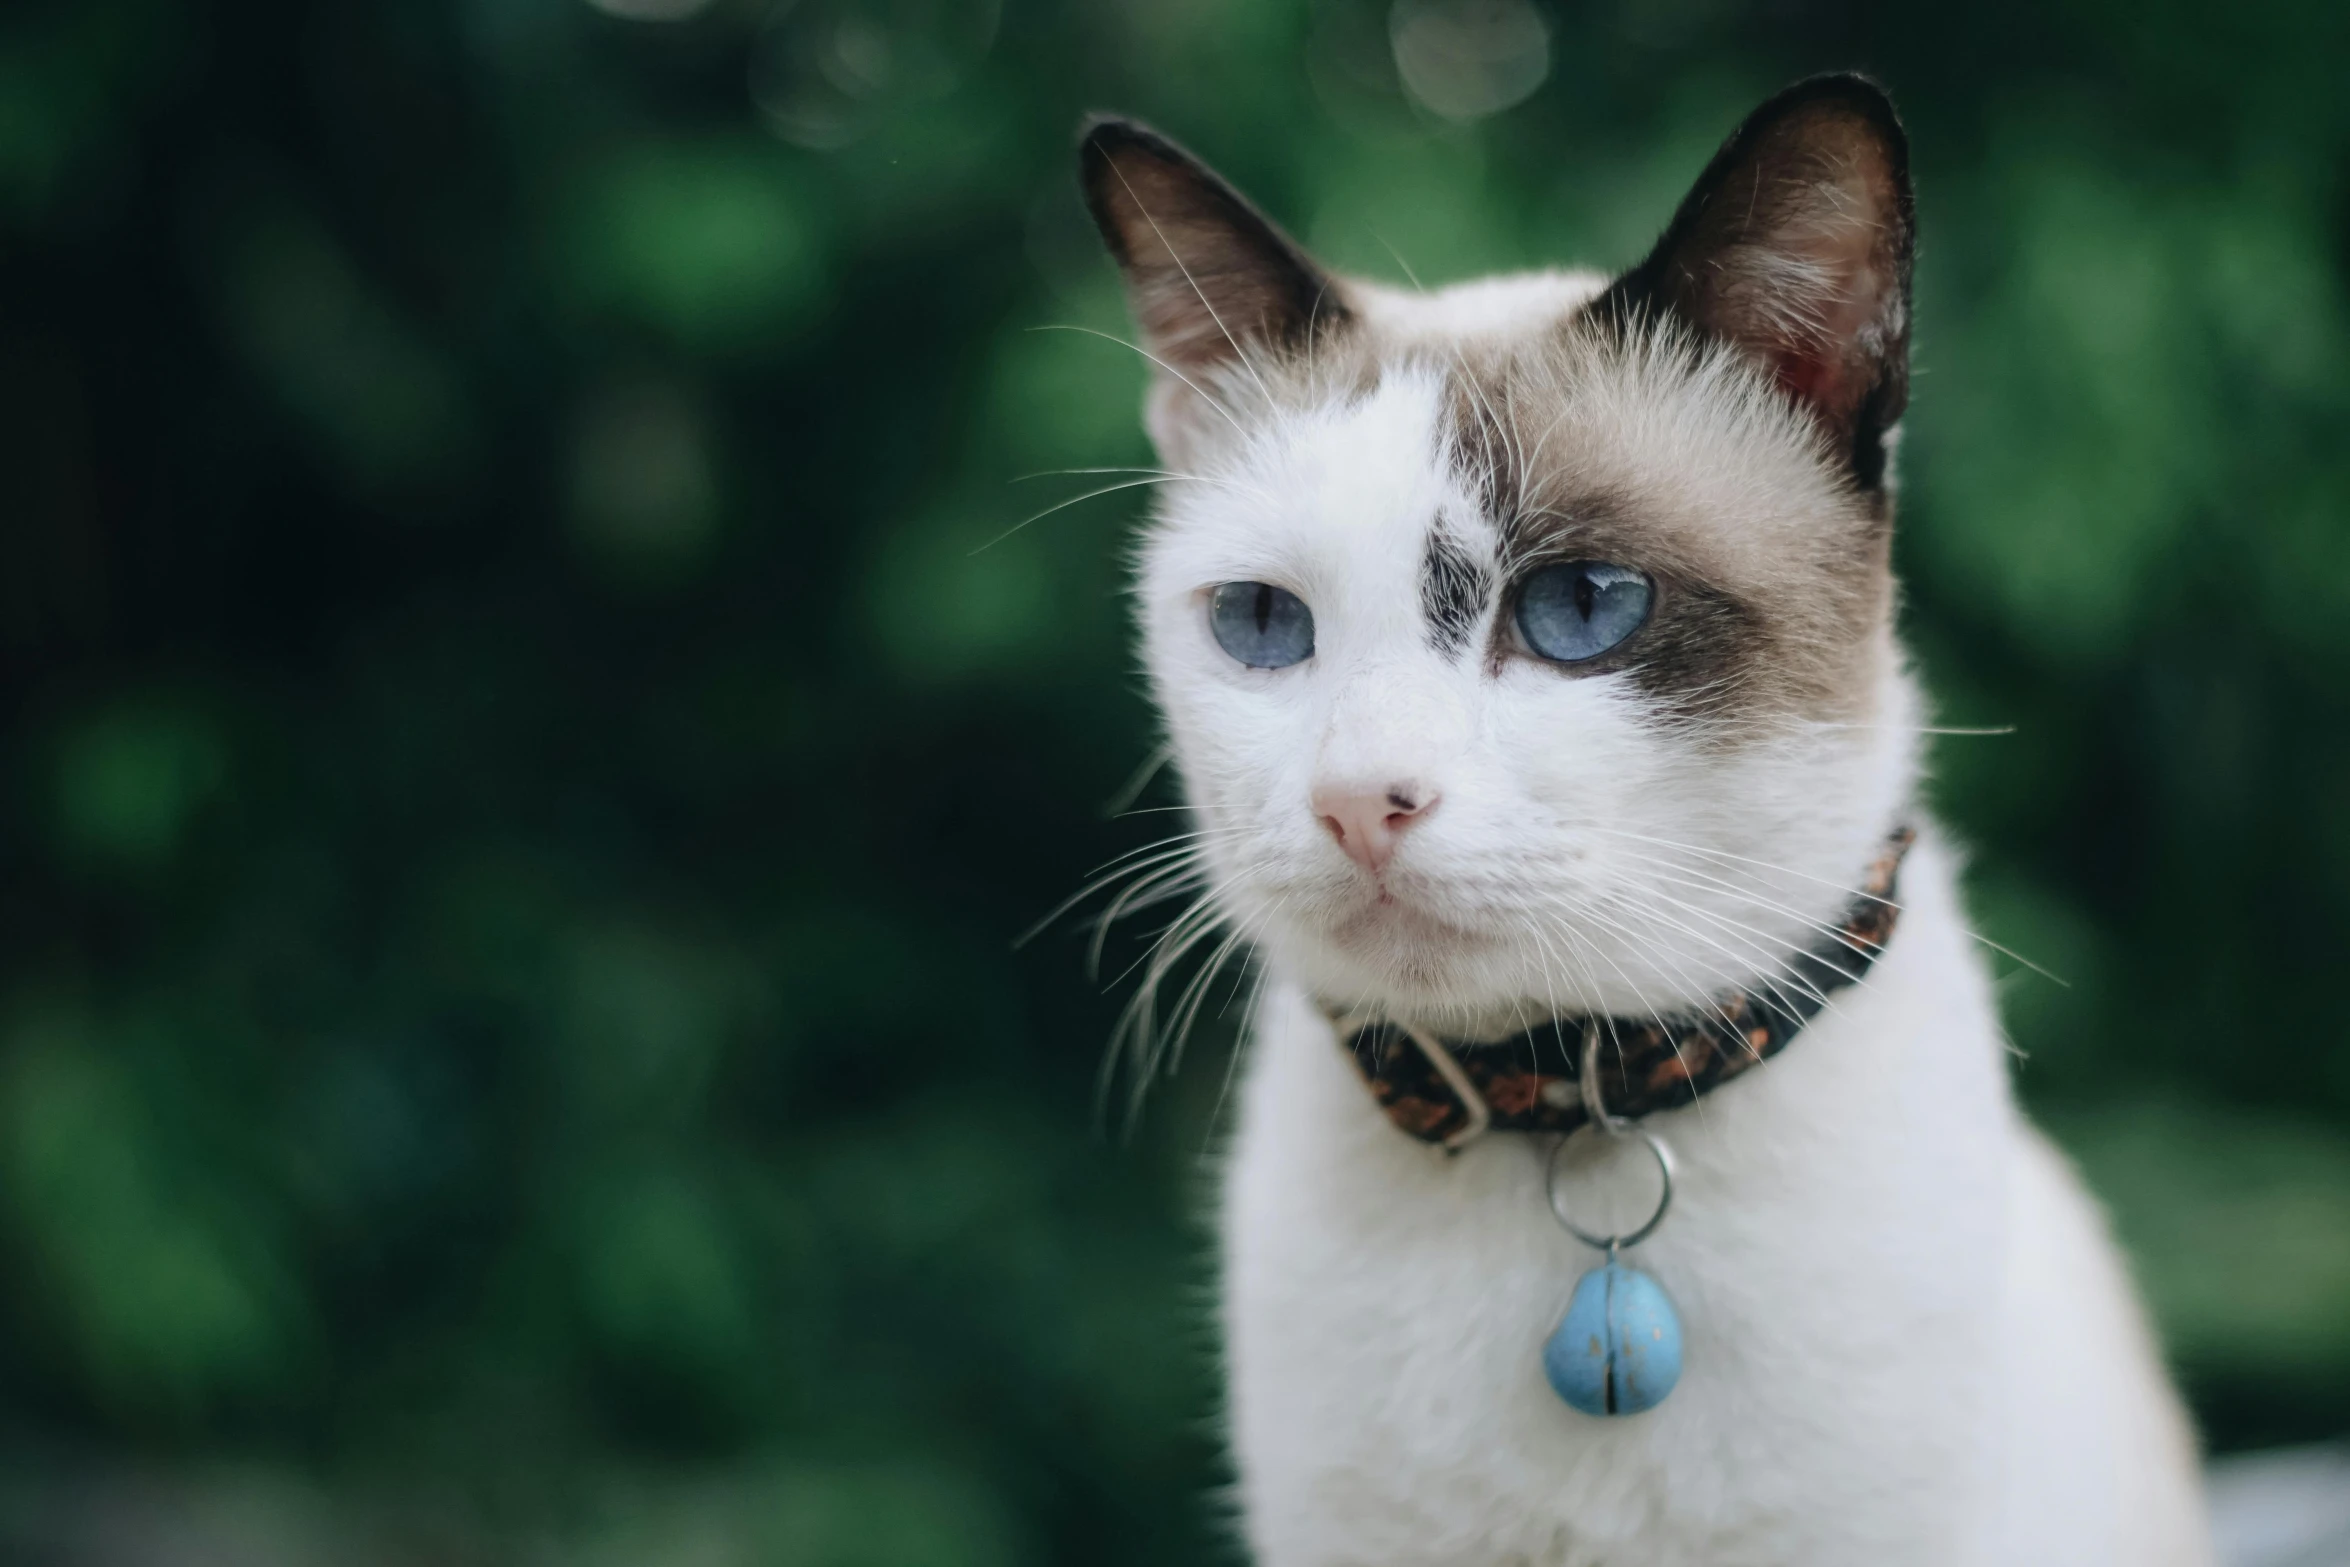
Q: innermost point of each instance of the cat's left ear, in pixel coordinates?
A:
(1795, 246)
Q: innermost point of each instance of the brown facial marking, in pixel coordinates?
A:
(1453, 590)
(1698, 652)
(1770, 569)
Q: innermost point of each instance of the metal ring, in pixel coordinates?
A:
(1664, 1196)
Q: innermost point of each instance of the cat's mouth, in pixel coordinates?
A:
(1386, 918)
(1397, 949)
(1410, 934)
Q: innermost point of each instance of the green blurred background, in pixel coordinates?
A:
(521, 782)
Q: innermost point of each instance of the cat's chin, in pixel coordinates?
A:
(1405, 939)
(1410, 957)
(1396, 956)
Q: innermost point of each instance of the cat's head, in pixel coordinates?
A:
(1527, 644)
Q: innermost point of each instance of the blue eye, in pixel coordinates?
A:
(1263, 626)
(1577, 611)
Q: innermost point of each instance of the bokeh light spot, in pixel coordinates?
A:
(644, 479)
(1466, 59)
(651, 10)
(825, 72)
(129, 779)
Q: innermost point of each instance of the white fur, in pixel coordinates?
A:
(1908, 1338)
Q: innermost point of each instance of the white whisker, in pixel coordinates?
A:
(1112, 337)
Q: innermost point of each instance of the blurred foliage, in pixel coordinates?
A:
(521, 778)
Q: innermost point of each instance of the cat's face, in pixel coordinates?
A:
(1525, 647)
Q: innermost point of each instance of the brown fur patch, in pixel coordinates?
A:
(1771, 568)
(1454, 588)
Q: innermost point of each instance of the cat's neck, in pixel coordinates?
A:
(1928, 982)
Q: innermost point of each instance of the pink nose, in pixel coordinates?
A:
(1369, 822)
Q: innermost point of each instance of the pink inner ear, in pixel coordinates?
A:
(1812, 378)
(1794, 247)
(1827, 367)
(1825, 359)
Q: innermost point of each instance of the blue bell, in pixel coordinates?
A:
(1617, 1351)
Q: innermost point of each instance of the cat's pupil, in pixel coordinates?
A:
(1586, 594)
(1264, 607)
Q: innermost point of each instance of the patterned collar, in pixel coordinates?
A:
(1451, 1094)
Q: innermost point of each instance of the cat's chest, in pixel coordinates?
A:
(1385, 1309)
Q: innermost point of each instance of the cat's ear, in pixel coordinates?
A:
(1213, 283)
(1795, 247)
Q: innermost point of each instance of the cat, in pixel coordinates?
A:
(1526, 653)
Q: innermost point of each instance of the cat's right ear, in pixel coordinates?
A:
(1214, 284)
(1795, 248)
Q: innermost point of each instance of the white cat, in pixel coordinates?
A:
(1527, 653)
